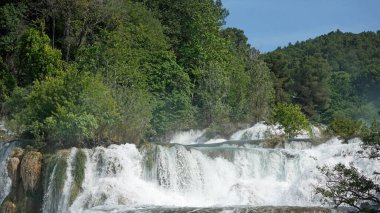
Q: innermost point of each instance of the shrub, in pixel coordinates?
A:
(291, 118)
(346, 128)
(67, 109)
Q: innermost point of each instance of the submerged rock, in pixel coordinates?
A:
(31, 170)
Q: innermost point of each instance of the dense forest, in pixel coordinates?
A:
(77, 72)
(334, 75)
(117, 71)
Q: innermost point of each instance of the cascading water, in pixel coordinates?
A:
(122, 176)
(57, 196)
(5, 181)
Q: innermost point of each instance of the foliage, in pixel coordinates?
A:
(153, 90)
(371, 140)
(311, 86)
(11, 19)
(7, 82)
(332, 75)
(36, 58)
(346, 185)
(345, 127)
(68, 109)
(291, 118)
(261, 91)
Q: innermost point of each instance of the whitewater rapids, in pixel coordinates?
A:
(196, 174)
(222, 175)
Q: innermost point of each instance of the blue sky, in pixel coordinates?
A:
(272, 23)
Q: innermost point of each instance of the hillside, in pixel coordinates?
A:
(337, 74)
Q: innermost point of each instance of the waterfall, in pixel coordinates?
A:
(65, 196)
(174, 175)
(5, 181)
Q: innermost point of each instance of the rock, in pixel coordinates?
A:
(17, 153)
(31, 170)
(12, 167)
(8, 207)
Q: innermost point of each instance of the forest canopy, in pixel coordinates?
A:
(98, 72)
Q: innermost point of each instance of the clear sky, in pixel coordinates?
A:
(269, 24)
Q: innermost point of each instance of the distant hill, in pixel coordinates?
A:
(337, 74)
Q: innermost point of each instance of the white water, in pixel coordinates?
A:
(65, 196)
(5, 181)
(121, 176)
(187, 137)
(259, 131)
(48, 201)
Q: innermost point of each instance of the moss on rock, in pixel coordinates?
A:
(80, 164)
(31, 166)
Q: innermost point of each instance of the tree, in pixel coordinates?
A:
(171, 87)
(67, 110)
(291, 118)
(36, 59)
(193, 29)
(345, 127)
(7, 83)
(353, 63)
(72, 24)
(311, 86)
(278, 64)
(135, 60)
(11, 21)
(260, 92)
(211, 95)
(371, 140)
(347, 185)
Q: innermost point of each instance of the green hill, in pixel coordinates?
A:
(337, 74)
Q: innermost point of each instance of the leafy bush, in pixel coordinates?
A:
(36, 58)
(291, 118)
(345, 127)
(69, 109)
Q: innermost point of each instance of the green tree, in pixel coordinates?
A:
(278, 64)
(345, 127)
(291, 118)
(311, 86)
(36, 59)
(260, 92)
(11, 24)
(371, 140)
(193, 29)
(136, 63)
(353, 61)
(67, 109)
(7, 82)
(171, 87)
(347, 185)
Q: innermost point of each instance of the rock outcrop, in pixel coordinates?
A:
(12, 167)
(24, 169)
(31, 166)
